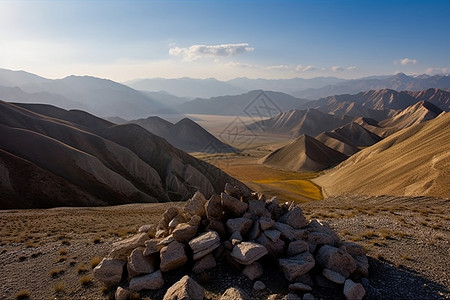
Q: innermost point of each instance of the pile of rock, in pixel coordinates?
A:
(240, 228)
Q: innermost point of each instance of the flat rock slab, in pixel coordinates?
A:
(153, 281)
(246, 253)
(204, 244)
(296, 266)
(121, 249)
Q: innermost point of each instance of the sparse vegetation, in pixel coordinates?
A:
(63, 251)
(86, 280)
(56, 272)
(60, 287)
(22, 295)
(82, 268)
(95, 261)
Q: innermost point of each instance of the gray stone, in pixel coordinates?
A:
(167, 240)
(354, 249)
(179, 219)
(299, 287)
(362, 265)
(109, 271)
(296, 266)
(246, 253)
(195, 221)
(337, 260)
(275, 248)
(121, 294)
(353, 291)
(205, 263)
(169, 214)
(295, 218)
(153, 281)
(214, 208)
(333, 276)
(196, 205)
(308, 296)
(152, 246)
(172, 256)
(233, 206)
(258, 208)
(317, 239)
(286, 230)
(273, 234)
(217, 226)
(146, 228)
(241, 225)
(185, 289)
(255, 231)
(236, 238)
(297, 247)
(234, 294)
(259, 285)
(138, 263)
(292, 296)
(184, 232)
(122, 249)
(266, 223)
(253, 271)
(204, 244)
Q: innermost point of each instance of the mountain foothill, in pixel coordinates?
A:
(76, 142)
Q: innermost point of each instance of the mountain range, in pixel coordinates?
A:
(304, 153)
(185, 134)
(378, 104)
(53, 157)
(312, 89)
(412, 162)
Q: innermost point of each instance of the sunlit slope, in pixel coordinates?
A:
(414, 161)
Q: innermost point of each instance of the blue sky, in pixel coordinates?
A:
(123, 40)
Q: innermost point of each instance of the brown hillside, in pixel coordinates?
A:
(303, 154)
(111, 164)
(414, 161)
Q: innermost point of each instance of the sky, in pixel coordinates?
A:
(125, 40)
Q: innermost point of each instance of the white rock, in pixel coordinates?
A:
(333, 276)
(246, 253)
(121, 294)
(186, 288)
(353, 291)
(204, 244)
(172, 256)
(109, 271)
(153, 281)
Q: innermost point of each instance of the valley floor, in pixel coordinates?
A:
(50, 253)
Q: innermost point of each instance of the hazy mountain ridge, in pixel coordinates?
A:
(238, 105)
(398, 82)
(99, 162)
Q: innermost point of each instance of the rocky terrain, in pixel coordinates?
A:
(406, 240)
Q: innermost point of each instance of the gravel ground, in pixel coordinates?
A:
(407, 241)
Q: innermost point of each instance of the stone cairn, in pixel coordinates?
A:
(238, 227)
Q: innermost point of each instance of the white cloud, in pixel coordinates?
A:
(337, 69)
(280, 67)
(198, 51)
(351, 68)
(406, 61)
(434, 71)
(301, 68)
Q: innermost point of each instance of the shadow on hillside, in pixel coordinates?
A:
(390, 282)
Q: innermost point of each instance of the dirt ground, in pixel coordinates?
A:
(49, 254)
